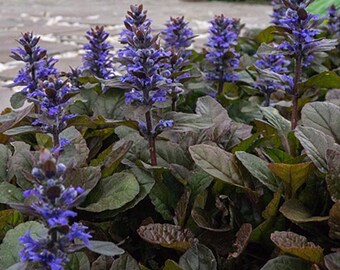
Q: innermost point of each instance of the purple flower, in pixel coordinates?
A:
(52, 204)
(177, 34)
(98, 58)
(288, 83)
(222, 56)
(40, 252)
(302, 34)
(54, 95)
(78, 231)
(333, 24)
(144, 62)
(273, 63)
(37, 65)
(135, 17)
(279, 11)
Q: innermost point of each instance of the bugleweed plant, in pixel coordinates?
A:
(223, 34)
(130, 162)
(143, 59)
(178, 37)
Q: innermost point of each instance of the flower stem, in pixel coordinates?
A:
(295, 96)
(267, 100)
(56, 141)
(151, 139)
(220, 83)
(173, 103)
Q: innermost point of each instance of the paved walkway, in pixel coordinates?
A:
(62, 23)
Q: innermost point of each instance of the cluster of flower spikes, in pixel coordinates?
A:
(178, 37)
(52, 205)
(223, 34)
(143, 58)
(98, 59)
(333, 23)
(279, 11)
(55, 96)
(145, 62)
(273, 63)
(37, 65)
(302, 42)
(302, 32)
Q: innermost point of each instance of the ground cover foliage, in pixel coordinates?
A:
(156, 156)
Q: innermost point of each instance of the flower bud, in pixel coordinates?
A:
(38, 174)
(61, 168)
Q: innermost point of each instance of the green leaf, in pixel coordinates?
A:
(86, 177)
(113, 192)
(281, 124)
(20, 130)
(272, 207)
(297, 245)
(171, 265)
(10, 120)
(208, 107)
(17, 100)
(44, 140)
(296, 212)
(110, 105)
(315, 144)
(241, 242)
(182, 206)
(171, 153)
(323, 116)
(163, 200)
(198, 181)
(10, 193)
(333, 175)
(268, 132)
(286, 263)
(185, 122)
(84, 106)
(102, 262)
(333, 96)
(146, 182)
(248, 144)
(334, 221)
(327, 79)
(205, 220)
(19, 266)
(21, 164)
(5, 155)
(261, 234)
(218, 163)
(78, 261)
(265, 49)
(294, 175)
(76, 150)
(167, 235)
(199, 257)
(125, 262)
(9, 249)
(259, 169)
(110, 158)
(332, 261)
(277, 155)
(105, 248)
(8, 220)
(267, 35)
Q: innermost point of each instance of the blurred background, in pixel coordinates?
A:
(61, 24)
